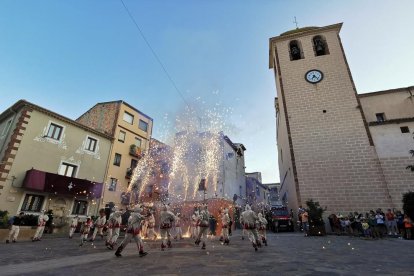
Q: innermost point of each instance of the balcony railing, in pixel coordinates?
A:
(129, 173)
(136, 151)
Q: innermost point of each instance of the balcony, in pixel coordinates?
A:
(135, 151)
(129, 173)
(61, 185)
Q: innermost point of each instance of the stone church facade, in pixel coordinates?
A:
(330, 142)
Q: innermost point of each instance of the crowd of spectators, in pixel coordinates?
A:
(372, 225)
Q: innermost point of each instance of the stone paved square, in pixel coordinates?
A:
(287, 254)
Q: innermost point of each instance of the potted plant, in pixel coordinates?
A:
(316, 223)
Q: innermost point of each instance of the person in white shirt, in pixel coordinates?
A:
(114, 224)
(135, 221)
(249, 218)
(225, 224)
(203, 224)
(73, 225)
(99, 225)
(151, 225)
(41, 222)
(167, 219)
(262, 224)
(178, 230)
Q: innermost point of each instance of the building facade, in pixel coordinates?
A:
(50, 162)
(207, 166)
(131, 131)
(390, 116)
(325, 145)
(257, 175)
(257, 193)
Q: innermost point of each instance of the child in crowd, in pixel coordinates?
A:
(408, 225)
(366, 229)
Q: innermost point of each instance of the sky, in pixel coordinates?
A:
(67, 56)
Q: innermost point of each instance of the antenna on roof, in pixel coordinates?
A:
(296, 23)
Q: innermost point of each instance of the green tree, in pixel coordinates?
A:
(408, 204)
(315, 212)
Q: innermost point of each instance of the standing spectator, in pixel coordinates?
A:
(15, 222)
(408, 225)
(400, 222)
(391, 223)
(348, 227)
(300, 212)
(305, 222)
(372, 221)
(358, 224)
(380, 223)
(366, 229)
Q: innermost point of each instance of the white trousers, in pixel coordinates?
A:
(151, 233)
(96, 231)
(39, 232)
(262, 233)
(225, 232)
(165, 234)
(137, 239)
(252, 234)
(178, 232)
(194, 231)
(14, 232)
(202, 234)
(72, 230)
(113, 235)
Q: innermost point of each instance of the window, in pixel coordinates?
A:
(295, 50)
(117, 160)
(6, 128)
(257, 191)
(319, 46)
(240, 190)
(405, 129)
(143, 125)
(112, 184)
(380, 117)
(80, 207)
(67, 169)
(91, 144)
(138, 142)
(121, 136)
(32, 203)
(129, 118)
(134, 163)
(54, 131)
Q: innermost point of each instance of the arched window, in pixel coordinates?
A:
(295, 50)
(320, 46)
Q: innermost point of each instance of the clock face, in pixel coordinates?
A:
(314, 76)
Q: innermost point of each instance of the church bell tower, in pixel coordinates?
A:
(326, 152)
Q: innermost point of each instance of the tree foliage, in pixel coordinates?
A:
(408, 204)
(315, 212)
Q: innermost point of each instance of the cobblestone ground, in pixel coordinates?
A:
(287, 254)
